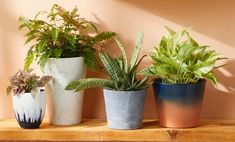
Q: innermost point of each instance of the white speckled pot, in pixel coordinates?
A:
(64, 107)
(29, 108)
(124, 109)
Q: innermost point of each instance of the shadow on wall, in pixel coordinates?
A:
(209, 17)
(222, 98)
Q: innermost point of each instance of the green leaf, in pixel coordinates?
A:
(121, 62)
(135, 55)
(133, 69)
(211, 76)
(142, 82)
(30, 38)
(41, 46)
(103, 36)
(58, 52)
(170, 31)
(28, 60)
(108, 67)
(54, 34)
(43, 59)
(120, 45)
(149, 71)
(88, 83)
(90, 59)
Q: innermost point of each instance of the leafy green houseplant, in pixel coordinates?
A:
(63, 34)
(122, 89)
(181, 65)
(29, 101)
(123, 75)
(63, 43)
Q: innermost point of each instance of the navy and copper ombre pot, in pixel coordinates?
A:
(179, 105)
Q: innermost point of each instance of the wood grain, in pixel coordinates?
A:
(96, 130)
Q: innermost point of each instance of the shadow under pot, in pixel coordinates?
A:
(124, 109)
(29, 109)
(179, 105)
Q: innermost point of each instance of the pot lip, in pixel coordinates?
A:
(66, 58)
(124, 91)
(29, 93)
(158, 81)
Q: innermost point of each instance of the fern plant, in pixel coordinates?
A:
(179, 59)
(122, 75)
(62, 34)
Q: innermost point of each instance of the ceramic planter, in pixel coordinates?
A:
(179, 105)
(29, 108)
(64, 107)
(124, 109)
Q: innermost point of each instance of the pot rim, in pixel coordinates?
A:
(124, 91)
(66, 58)
(158, 81)
(29, 93)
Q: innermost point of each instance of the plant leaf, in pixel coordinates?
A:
(135, 55)
(54, 34)
(28, 60)
(120, 45)
(88, 83)
(41, 46)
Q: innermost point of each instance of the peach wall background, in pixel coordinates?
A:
(212, 22)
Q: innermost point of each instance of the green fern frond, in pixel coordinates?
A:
(28, 60)
(103, 36)
(43, 59)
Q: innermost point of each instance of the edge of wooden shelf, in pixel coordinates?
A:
(97, 130)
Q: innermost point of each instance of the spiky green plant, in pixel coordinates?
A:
(26, 81)
(122, 75)
(62, 34)
(179, 59)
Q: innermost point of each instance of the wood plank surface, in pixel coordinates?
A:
(97, 130)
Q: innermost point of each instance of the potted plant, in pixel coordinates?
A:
(29, 100)
(181, 65)
(63, 44)
(124, 93)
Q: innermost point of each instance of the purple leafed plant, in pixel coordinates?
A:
(25, 82)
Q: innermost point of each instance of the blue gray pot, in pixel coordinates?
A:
(179, 105)
(124, 109)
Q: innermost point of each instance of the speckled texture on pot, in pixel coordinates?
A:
(124, 109)
(64, 107)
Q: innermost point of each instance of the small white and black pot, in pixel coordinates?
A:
(29, 108)
(124, 109)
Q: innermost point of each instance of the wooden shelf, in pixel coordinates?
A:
(96, 130)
